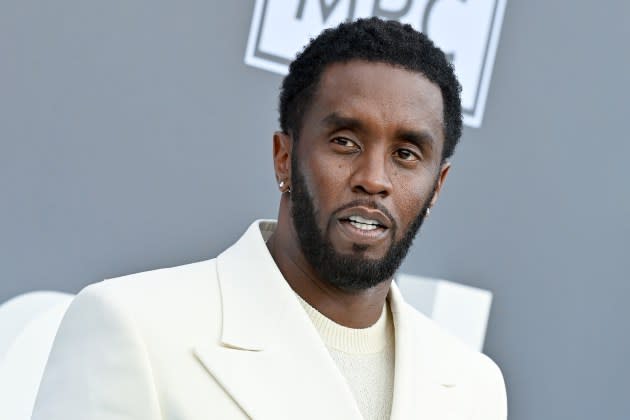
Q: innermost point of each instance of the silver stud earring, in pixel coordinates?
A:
(282, 186)
(427, 213)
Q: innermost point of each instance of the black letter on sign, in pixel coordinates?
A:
(390, 14)
(326, 10)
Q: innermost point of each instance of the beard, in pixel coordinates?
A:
(349, 272)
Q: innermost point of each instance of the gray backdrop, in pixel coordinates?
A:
(133, 137)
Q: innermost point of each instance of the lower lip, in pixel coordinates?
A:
(356, 234)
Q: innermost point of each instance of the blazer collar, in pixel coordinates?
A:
(270, 350)
(253, 291)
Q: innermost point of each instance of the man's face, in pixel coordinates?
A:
(364, 170)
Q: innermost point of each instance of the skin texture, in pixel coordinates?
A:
(373, 133)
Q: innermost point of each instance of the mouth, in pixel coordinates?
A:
(364, 225)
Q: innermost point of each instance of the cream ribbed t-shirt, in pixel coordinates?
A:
(364, 356)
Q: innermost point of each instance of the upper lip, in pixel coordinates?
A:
(366, 213)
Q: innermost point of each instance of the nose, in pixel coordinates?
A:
(371, 175)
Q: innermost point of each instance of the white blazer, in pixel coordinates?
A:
(227, 339)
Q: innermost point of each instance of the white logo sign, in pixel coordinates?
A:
(467, 30)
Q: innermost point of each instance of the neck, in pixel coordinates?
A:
(353, 309)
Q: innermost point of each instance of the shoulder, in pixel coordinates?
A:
(457, 361)
(159, 280)
(114, 332)
(182, 295)
(157, 286)
(452, 349)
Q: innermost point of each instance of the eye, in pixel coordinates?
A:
(406, 155)
(344, 143)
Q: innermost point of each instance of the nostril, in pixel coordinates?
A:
(363, 190)
(359, 189)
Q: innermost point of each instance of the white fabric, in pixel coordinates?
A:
(352, 340)
(16, 313)
(227, 339)
(23, 363)
(364, 356)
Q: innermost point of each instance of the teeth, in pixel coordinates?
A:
(360, 219)
(363, 226)
(363, 223)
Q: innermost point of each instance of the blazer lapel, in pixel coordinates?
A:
(425, 384)
(271, 359)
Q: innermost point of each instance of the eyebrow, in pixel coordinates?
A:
(336, 120)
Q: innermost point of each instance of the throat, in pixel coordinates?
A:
(359, 309)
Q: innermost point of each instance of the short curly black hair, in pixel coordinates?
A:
(375, 40)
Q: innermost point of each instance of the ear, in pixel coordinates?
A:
(444, 169)
(282, 147)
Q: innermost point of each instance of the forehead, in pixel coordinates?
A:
(392, 95)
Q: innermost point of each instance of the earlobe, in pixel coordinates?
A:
(282, 147)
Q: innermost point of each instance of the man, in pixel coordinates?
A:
(299, 319)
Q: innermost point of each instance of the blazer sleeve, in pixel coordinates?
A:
(98, 368)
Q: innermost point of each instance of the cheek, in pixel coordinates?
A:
(411, 194)
(325, 180)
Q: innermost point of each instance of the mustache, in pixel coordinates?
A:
(371, 204)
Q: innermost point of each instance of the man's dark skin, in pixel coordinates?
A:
(372, 131)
